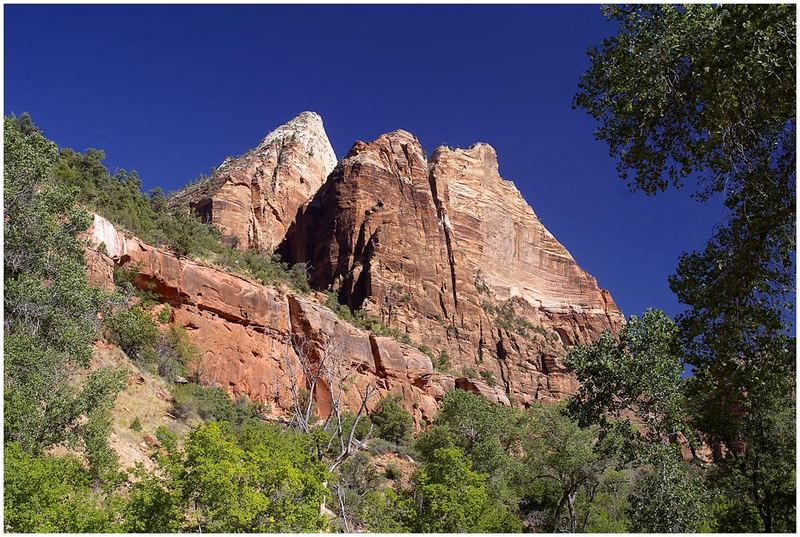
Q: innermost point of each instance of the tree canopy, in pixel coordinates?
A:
(706, 94)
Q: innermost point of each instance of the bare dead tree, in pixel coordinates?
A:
(303, 382)
(327, 365)
(348, 446)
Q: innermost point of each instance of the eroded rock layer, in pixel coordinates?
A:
(250, 336)
(449, 252)
(253, 199)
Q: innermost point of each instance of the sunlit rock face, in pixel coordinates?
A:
(250, 336)
(448, 251)
(441, 248)
(254, 198)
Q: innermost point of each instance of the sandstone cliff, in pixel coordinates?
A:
(253, 199)
(449, 252)
(250, 334)
(441, 248)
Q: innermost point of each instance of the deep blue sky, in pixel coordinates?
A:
(170, 91)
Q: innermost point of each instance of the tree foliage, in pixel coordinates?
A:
(50, 311)
(707, 93)
(392, 422)
(49, 494)
(119, 198)
(575, 459)
(638, 373)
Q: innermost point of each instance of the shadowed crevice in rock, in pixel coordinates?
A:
(448, 239)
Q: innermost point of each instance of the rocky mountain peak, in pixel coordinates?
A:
(307, 129)
(253, 199)
(448, 252)
(442, 249)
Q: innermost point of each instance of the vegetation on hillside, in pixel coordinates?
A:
(119, 198)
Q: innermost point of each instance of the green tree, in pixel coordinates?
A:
(451, 497)
(135, 332)
(50, 311)
(260, 479)
(708, 93)
(668, 498)
(388, 511)
(49, 494)
(638, 376)
(152, 505)
(575, 459)
(637, 373)
(488, 434)
(392, 422)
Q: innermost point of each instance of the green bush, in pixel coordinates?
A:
(49, 494)
(446, 496)
(214, 404)
(488, 377)
(262, 479)
(165, 314)
(379, 446)
(392, 422)
(135, 332)
(392, 471)
(176, 354)
(50, 316)
(362, 429)
(443, 362)
(136, 424)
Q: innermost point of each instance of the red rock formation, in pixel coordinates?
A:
(445, 250)
(450, 252)
(249, 333)
(253, 199)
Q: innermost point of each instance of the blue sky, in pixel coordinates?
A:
(171, 91)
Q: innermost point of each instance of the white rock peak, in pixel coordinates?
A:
(307, 129)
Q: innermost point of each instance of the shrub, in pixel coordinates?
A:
(49, 494)
(392, 422)
(488, 377)
(214, 404)
(134, 331)
(136, 424)
(392, 471)
(379, 446)
(50, 315)
(451, 497)
(443, 362)
(176, 354)
(362, 429)
(165, 314)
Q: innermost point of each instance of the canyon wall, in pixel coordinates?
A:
(250, 335)
(442, 249)
(450, 253)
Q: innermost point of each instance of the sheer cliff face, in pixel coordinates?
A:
(253, 199)
(443, 249)
(450, 252)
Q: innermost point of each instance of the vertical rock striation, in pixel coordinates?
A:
(450, 252)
